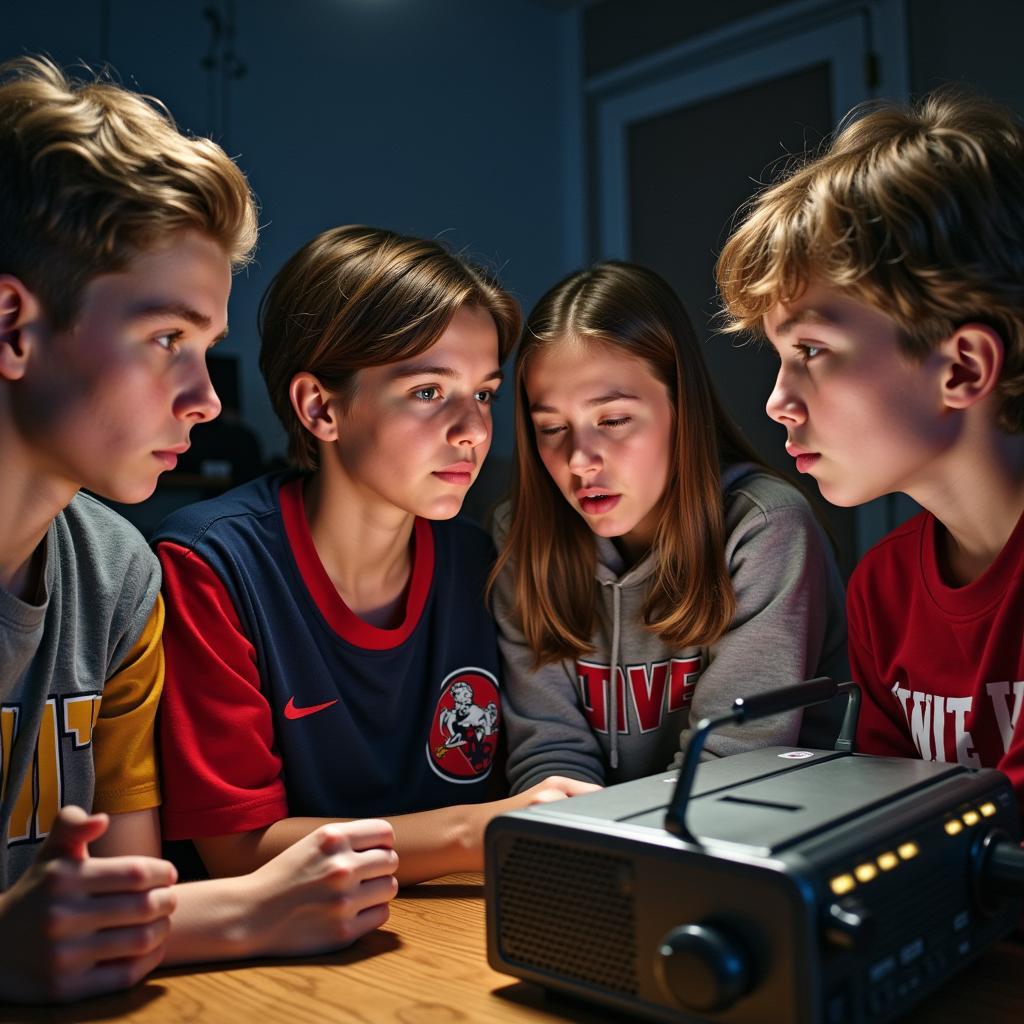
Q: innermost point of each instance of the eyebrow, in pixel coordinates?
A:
(423, 370)
(611, 396)
(177, 310)
(805, 316)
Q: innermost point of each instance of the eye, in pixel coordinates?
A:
(808, 352)
(168, 341)
(616, 422)
(485, 396)
(550, 431)
(428, 394)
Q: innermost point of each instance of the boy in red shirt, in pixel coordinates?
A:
(888, 274)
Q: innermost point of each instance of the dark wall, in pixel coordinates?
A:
(619, 31)
(978, 44)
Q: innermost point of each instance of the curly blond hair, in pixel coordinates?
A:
(918, 212)
(91, 174)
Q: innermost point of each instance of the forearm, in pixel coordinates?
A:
(429, 843)
(213, 920)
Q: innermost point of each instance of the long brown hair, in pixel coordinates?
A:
(549, 551)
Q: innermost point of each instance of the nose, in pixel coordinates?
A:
(197, 401)
(784, 405)
(584, 458)
(471, 426)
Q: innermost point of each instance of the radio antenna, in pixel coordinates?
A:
(747, 709)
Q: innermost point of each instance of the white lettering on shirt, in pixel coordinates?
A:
(931, 717)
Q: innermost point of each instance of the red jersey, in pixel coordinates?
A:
(941, 667)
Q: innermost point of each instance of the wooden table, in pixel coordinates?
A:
(428, 965)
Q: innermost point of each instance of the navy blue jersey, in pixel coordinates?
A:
(279, 701)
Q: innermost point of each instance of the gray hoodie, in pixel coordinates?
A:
(789, 625)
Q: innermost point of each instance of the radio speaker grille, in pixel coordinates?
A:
(568, 911)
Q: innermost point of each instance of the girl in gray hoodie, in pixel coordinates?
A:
(650, 569)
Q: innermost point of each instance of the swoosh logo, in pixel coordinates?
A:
(292, 712)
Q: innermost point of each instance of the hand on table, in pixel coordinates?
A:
(554, 787)
(74, 926)
(325, 891)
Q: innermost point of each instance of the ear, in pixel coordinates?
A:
(19, 308)
(974, 360)
(312, 404)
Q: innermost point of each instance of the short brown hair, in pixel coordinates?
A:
(91, 174)
(549, 550)
(917, 212)
(358, 296)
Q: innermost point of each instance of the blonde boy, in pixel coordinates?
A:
(117, 239)
(888, 274)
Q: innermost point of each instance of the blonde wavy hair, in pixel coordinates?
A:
(550, 551)
(917, 212)
(359, 296)
(91, 174)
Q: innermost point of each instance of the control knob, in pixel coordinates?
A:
(701, 967)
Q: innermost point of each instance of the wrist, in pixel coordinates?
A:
(218, 919)
(468, 834)
(251, 928)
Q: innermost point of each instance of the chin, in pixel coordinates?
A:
(447, 509)
(124, 493)
(609, 530)
(843, 498)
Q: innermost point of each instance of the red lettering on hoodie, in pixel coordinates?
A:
(647, 687)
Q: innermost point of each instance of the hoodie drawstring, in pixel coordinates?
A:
(613, 683)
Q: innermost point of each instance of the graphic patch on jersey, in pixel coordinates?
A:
(464, 730)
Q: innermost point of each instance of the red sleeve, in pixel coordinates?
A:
(881, 728)
(221, 773)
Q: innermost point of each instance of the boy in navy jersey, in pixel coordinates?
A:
(329, 651)
(889, 276)
(117, 239)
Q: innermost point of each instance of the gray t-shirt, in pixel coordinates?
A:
(98, 587)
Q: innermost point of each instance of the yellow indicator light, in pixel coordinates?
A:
(953, 827)
(987, 810)
(907, 850)
(842, 884)
(887, 861)
(865, 872)
(971, 818)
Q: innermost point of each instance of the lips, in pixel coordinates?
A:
(458, 473)
(805, 459)
(169, 456)
(595, 501)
